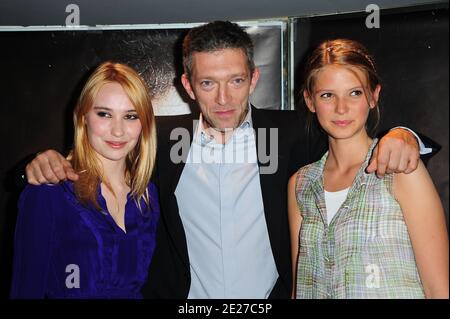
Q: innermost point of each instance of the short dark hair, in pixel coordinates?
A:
(214, 36)
(154, 53)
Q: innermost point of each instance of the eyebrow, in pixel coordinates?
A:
(108, 109)
(327, 90)
(239, 74)
(212, 77)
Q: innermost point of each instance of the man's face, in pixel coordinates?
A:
(221, 83)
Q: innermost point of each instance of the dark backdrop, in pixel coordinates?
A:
(411, 48)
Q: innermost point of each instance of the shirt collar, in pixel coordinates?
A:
(206, 138)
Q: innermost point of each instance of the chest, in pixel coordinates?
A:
(116, 204)
(369, 213)
(335, 181)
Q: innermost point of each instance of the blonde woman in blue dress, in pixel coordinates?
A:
(355, 235)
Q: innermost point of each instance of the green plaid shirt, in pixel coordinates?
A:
(365, 252)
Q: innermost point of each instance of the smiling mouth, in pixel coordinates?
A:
(116, 145)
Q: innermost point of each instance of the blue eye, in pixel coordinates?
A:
(238, 81)
(206, 83)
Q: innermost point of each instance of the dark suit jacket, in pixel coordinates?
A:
(169, 274)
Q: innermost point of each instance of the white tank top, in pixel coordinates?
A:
(333, 201)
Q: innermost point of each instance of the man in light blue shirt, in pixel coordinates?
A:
(227, 239)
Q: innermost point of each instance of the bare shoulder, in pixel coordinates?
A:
(293, 208)
(416, 183)
(405, 180)
(293, 181)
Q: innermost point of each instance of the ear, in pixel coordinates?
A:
(254, 80)
(375, 96)
(187, 85)
(308, 101)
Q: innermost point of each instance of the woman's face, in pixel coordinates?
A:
(340, 102)
(113, 126)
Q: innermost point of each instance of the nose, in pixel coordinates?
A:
(341, 106)
(117, 128)
(223, 95)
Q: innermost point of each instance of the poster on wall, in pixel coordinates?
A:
(64, 56)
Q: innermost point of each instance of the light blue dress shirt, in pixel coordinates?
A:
(221, 208)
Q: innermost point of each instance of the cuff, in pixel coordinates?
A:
(422, 148)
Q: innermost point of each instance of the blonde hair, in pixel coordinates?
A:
(139, 162)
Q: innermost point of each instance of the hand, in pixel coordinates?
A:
(49, 167)
(396, 152)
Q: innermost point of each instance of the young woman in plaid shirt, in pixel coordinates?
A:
(355, 235)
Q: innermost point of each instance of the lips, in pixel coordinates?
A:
(342, 123)
(224, 113)
(116, 145)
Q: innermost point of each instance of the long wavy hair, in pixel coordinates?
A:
(139, 162)
(346, 53)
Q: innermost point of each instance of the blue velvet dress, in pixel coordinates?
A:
(66, 250)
